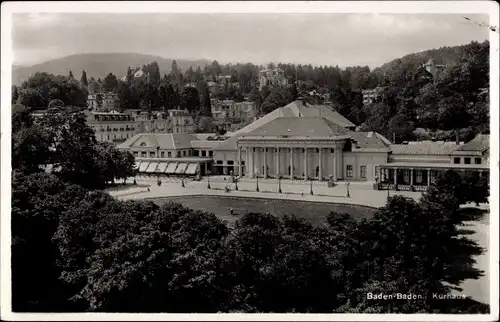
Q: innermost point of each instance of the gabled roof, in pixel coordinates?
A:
(299, 127)
(480, 143)
(370, 141)
(298, 109)
(169, 141)
(424, 148)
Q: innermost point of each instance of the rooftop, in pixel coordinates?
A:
(169, 141)
(424, 148)
(299, 127)
(480, 143)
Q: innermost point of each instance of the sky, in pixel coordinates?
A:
(317, 39)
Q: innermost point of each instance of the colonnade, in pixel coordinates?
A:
(292, 162)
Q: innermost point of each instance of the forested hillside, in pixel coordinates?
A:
(453, 104)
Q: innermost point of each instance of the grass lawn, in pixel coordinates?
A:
(314, 212)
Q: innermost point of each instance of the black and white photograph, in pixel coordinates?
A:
(250, 160)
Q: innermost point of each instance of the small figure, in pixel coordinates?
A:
(149, 190)
(231, 211)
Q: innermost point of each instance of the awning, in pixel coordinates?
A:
(192, 168)
(181, 168)
(162, 166)
(171, 167)
(143, 166)
(152, 167)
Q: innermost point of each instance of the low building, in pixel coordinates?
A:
(313, 142)
(181, 121)
(229, 109)
(150, 122)
(433, 68)
(112, 126)
(224, 79)
(171, 153)
(103, 101)
(272, 77)
(370, 95)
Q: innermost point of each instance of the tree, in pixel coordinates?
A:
(70, 76)
(15, 94)
(190, 100)
(204, 125)
(55, 104)
(83, 80)
(110, 83)
(41, 88)
(99, 101)
(453, 114)
(37, 202)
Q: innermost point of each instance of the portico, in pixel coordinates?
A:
(293, 158)
(406, 176)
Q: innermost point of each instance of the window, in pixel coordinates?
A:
(162, 153)
(317, 150)
(210, 153)
(477, 160)
(151, 154)
(456, 160)
(203, 153)
(349, 171)
(467, 160)
(178, 154)
(331, 150)
(144, 154)
(169, 154)
(230, 162)
(136, 153)
(189, 153)
(362, 170)
(183, 153)
(419, 176)
(219, 162)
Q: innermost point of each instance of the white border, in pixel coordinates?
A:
(470, 7)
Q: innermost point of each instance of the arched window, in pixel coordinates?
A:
(143, 144)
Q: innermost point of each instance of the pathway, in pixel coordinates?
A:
(360, 193)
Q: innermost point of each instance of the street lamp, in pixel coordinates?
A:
(347, 187)
(311, 190)
(208, 179)
(257, 177)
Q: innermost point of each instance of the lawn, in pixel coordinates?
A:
(314, 212)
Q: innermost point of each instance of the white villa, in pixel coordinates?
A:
(307, 142)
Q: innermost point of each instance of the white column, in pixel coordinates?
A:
(395, 176)
(265, 163)
(239, 161)
(320, 164)
(291, 163)
(305, 164)
(252, 168)
(247, 161)
(411, 177)
(335, 164)
(428, 177)
(277, 162)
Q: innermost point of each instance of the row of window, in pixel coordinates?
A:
(116, 129)
(108, 137)
(169, 154)
(276, 150)
(457, 160)
(362, 171)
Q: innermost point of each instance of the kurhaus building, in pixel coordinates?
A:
(309, 142)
